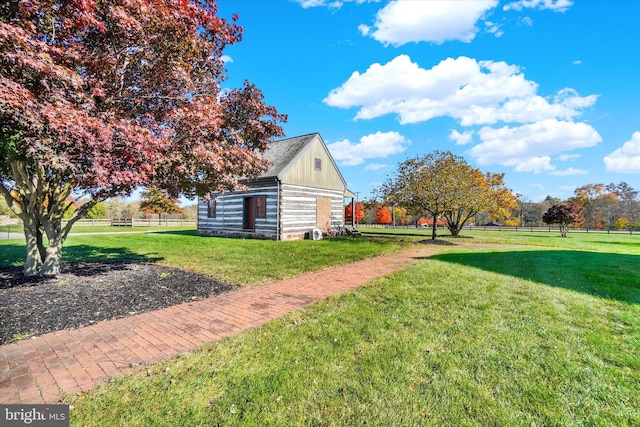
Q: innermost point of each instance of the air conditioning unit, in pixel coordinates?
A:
(316, 234)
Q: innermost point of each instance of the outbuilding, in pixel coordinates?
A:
(301, 195)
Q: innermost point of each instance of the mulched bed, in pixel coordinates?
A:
(86, 293)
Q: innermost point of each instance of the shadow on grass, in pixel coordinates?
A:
(392, 233)
(626, 243)
(605, 275)
(15, 254)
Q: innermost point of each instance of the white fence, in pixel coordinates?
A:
(135, 222)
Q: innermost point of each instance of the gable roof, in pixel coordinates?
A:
(281, 153)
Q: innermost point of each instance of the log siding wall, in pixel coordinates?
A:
(298, 209)
(230, 215)
(297, 212)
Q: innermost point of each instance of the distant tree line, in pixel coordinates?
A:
(603, 207)
(442, 189)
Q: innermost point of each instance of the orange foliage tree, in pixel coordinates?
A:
(441, 184)
(348, 212)
(383, 216)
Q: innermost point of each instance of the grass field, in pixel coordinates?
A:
(235, 261)
(545, 332)
(507, 329)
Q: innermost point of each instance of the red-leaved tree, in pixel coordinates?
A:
(564, 214)
(100, 97)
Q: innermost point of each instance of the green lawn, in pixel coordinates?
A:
(597, 242)
(235, 261)
(547, 334)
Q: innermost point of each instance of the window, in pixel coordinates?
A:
(211, 207)
(261, 207)
(318, 164)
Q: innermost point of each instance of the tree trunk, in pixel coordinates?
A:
(563, 230)
(53, 260)
(33, 263)
(434, 229)
(41, 260)
(454, 228)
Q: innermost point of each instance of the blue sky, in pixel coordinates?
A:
(546, 91)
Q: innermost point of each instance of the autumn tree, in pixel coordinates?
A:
(586, 194)
(422, 185)
(399, 214)
(119, 208)
(627, 196)
(157, 201)
(477, 192)
(369, 208)
(383, 216)
(348, 209)
(531, 213)
(564, 214)
(441, 184)
(99, 98)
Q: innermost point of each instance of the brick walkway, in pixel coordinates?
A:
(42, 369)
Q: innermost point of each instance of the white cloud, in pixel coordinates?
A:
(401, 22)
(569, 172)
(565, 157)
(375, 167)
(555, 5)
(531, 164)
(461, 138)
(226, 58)
(331, 4)
(577, 62)
(527, 21)
(625, 159)
(374, 146)
(528, 147)
(493, 28)
(473, 92)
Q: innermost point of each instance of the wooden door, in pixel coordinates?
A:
(249, 218)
